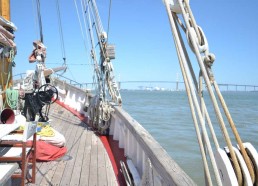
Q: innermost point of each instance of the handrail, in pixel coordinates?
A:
(75, 83)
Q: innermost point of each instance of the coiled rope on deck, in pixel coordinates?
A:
(12, 98)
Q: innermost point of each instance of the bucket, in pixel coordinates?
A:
(7, 116)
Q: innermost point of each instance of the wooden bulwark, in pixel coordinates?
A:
(140, 146)
(86, 161)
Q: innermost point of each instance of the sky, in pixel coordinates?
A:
(144, 44)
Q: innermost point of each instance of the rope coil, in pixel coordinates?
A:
(12, 98)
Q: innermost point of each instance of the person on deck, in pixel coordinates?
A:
(38, 53)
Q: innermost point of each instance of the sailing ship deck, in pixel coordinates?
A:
(86, 161)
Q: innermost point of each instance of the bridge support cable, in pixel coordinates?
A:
(199, 46)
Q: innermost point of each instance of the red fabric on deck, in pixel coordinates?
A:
(48, 152)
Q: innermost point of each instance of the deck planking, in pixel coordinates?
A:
(88, 163)
(102, 176)
(85, 171)
(44, 170)
(93, 179)
(75, 177)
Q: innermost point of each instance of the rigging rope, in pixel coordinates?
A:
(193, 97)
(109, 13)
(70, 64)
(235, 132)
(85, 9)
(85, 41)
(102, 67)
(93, 54)
(61, 32)
(197, 129)
(35, 18)
(80, 23)
(71, 74)
(97, 20)
(213, 98)
(39, 20)
(199, 45)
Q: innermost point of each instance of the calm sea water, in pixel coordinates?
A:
(167, 117)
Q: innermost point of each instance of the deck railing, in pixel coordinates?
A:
(152, 162)
(147, 160)
(175, 85)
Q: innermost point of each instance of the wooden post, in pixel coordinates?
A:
(6, 66)
(5, 9)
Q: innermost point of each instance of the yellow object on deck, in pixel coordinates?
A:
(46, 131)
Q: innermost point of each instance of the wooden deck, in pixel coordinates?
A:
(86, 161)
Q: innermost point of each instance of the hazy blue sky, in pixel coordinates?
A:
(144, 44)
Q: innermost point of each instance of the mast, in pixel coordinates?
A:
(4, 82)
(5, 9)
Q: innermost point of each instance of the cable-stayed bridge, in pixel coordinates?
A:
(154, 85)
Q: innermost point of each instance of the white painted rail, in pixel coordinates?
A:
(152, 163)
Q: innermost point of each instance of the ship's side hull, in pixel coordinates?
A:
(147, 161)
